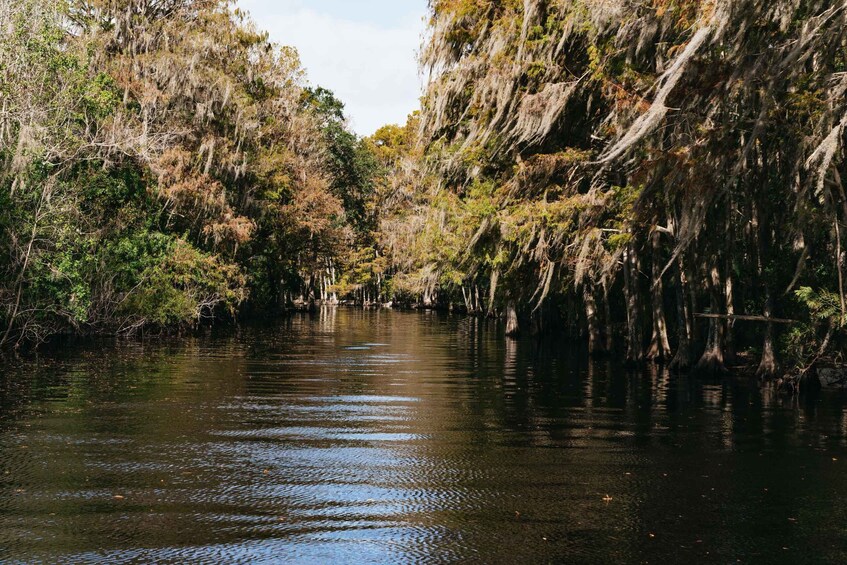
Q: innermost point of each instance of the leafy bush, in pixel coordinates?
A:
(826, 321)
(180, 286)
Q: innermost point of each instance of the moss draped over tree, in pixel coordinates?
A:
(626, 166)
(159, 164)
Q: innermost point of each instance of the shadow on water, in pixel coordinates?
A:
(350, 436)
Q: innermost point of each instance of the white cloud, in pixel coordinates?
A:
(370, 65)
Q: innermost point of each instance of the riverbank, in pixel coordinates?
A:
(743, 366)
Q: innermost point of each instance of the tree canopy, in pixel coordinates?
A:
(161, 161)
(611, 160)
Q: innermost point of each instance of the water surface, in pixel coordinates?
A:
(384, 437)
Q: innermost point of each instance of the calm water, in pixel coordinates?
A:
(355, 437)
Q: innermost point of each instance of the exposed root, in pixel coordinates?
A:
(711, 364)
(681, 361)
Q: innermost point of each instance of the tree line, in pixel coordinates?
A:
(163, 163)
(661, 177)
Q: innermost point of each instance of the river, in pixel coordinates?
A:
(388, 437)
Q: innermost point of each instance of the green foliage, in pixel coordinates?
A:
(823, 306)
(804, 341)
(157, 163)
(180, 285)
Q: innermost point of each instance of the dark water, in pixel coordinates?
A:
(383, 437)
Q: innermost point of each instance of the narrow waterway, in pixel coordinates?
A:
(386, 437)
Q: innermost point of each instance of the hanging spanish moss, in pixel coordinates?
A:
(667, 172)
(163, 165)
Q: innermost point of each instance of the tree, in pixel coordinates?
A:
(586, 146)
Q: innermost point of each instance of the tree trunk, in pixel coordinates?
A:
(768, 366)
(660, 348)
(537, 322)
(712, 361)
(729, 296)
(693, 302)
(682, 359)
(427, 298)
(635, 338)
(839, 260)
(467, 298)
(310, 294)
(607, 315)
(492, 291)
(512, 327)
(595, 340)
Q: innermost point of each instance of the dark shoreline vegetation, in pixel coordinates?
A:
(663, 179)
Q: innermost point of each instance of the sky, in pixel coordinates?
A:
(363, 50)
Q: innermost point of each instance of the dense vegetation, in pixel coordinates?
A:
(664, 175)
(161, 162)
(630, 166)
